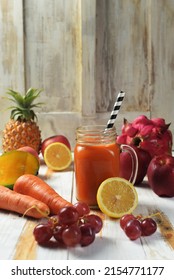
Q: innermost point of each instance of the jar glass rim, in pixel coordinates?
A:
(95, 128)
(95, 134)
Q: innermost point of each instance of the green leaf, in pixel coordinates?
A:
(37, 105)
(24, 104)
(15, 114)
(31, 95)
(17, 97)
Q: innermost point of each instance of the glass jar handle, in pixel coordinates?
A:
(134, 159)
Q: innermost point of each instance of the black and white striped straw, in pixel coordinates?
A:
(116, 109)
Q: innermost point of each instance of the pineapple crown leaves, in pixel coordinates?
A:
(24, 104)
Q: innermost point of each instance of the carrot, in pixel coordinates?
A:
(23, 204)
(34, 186)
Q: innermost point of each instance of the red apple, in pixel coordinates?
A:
(160, 174)
(52, 139)
(30, 150)
(126, 164)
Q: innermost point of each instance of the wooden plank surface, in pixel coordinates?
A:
(82, 53)
(52, 52)
(11, 47)
(88, 31)
(11, 53)
(17, 241)
(127, 53)
(162, 97)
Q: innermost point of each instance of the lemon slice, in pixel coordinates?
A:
(117, 197)
(57, 156)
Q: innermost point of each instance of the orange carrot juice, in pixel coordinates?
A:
(96, 158)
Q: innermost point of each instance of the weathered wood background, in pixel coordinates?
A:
(82, 52)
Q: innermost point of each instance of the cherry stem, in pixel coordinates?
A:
(139, 217)
(155, 214)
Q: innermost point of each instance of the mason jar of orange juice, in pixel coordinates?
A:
(96, 158)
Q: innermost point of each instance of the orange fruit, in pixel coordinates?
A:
(57, 156)
(117, 197)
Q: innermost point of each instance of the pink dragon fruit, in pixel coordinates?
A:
(151, 135)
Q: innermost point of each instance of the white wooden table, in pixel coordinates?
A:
(17, 241)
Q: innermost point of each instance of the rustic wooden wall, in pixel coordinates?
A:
(82, 52)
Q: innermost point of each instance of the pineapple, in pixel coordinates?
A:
(22, 129)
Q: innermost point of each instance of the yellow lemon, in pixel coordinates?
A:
(57, 156)
(117, 197)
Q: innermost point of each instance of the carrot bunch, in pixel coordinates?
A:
(31, 196)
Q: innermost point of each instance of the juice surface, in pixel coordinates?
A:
(94, 164)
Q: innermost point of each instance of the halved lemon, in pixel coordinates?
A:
(117, 197)
(57, 156)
